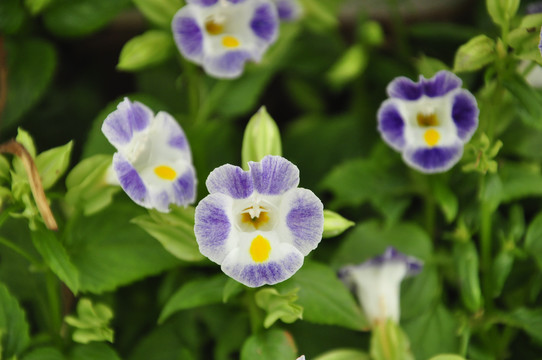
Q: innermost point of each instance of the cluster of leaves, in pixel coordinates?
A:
(116, 281)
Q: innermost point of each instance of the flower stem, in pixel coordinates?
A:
(254, 312)
(485, 243)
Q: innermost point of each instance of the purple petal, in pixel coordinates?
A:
(230, 180)
(442, 83)
(287, 10)
(304, 219)
(465, 114)
(432, 160)
(184, 188)
(174, 133)
(188, 35)
(236, 1)
(391, 254)
(202, 2)
(130, 181)
(213, 226)
(534, 8)
(120, 126)
(274, 175)
(404, 88)
(227, 65)
(391, 125)
(272, 272)
(264, 23)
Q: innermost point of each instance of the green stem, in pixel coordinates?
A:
(53, 294)
(485, 243)
(20, 251)
(254, 312)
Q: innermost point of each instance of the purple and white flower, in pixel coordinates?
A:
(288, 10)
(221, 35)
(257, 224)
(428, 121)
(377, 283)
(153, 162)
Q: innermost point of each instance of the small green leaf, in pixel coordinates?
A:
(12, 16)
(56, 257)
(93, 351)
(389, 342)
(325, 300)
(466, 263)
(174, 230)
(475, 54)
(348, 67)
(86, 185)
(335, 224)
(53, 163)
(343, 354)
(91, 322)
(47, 353)
(533, 239)
(428, 66)
(160, 12)
(231, 289)
(195, 293)
(446, 199)
(261, 138)
(502, 266)
(447, 357)
(321, 14)
(75, 18)
(269, 345)
(501, 11)
(371, 33)
(14, 328)
(520, 181)
(278, 306)
(4, 169)
(529, 99)
(530, 320)
(25, 139)
(37, 6)
(149, 49)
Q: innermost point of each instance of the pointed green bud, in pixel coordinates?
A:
(148, 49)
(262, 137)
(278, 306)
(53, 163)
(501, 11)
(348, 67)
(475, 54)
(335, 224)
(91, 322)
(343, 354)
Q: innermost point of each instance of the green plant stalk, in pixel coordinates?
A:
(485, 246)
(53, 295)
(255, 314)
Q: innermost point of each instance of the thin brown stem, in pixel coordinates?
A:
(13, 147)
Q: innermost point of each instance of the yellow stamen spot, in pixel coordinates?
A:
(230, 41)
(257, 221)
(260, 249)
(431, 137)
(426, 120)
(165, 172)
(214, 28)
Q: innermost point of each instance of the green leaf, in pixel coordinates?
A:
(74, 18)
(231, 289)
(37, 6)
(530, 320)
(529, 99)
(501, 11)
(195, 293)
(533, 239)
(25, 139)
(520, 181)
(146, 50)
(31, 64)
(174, 230)
(343, 354)
(15, 332)
(502, 266)
(278, 306)
(447, 357)
(389, 342)
(86, 185)
(160, 12)
(110, 252)
(93, 351)
(325, 300)
(46, 353)
(269, 345)
(432, 333)
(475, 54)
(466, 264)
(261, 138)
(4, 169)
(428, 66)
(446, 199)
(53, 163)
(56, 257)
(12, 16)
(91, 322)
(322, 15)
(525, 42)
(335, 224)
(420, 292)
(350, 66)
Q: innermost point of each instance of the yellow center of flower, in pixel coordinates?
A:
(425, 120)
(431, 137)
(165, 172)
(213, 27)
(255, 221)
(260, 249)
(230, 41)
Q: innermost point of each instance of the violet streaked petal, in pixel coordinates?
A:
(202, 2)
(288, 10)
(213, 227)
(274, 175)
(391, 125)
(184, 188)
(439, 85)
(303, 219)
(435, 159)
(264, 23)
(187, 34)
(404, 88)
(173, 134)
(129, 118)
(230, 180)
(465, 114)
(130, 181)
(227, 65)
